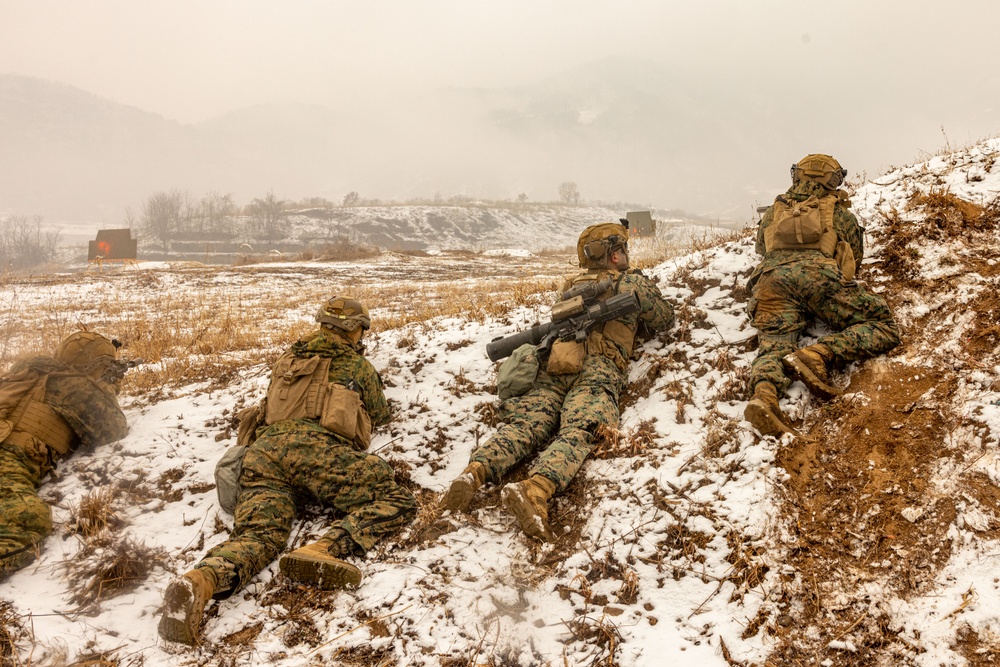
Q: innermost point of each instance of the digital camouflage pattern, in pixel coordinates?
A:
(789, 286)
(296, 461)
(90, 409)
(569, 407)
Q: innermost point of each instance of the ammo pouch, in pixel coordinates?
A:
(518, 372)
(249, 420)
(344, 415)
(599, 344)
(301, 389)
(844, 255)
(566, 357)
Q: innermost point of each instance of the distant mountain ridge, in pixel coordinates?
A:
(621, 128)
(72, 155)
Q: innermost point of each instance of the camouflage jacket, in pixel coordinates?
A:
(655, 313)
(346, 364)
(90, 408)
(844, 222)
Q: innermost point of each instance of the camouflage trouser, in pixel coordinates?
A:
(575, 405)
(24, 519)
(789, 294)
(287, 467)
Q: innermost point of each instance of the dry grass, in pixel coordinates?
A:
(110, 566)
(13, 635)
(96, 513)
(613, 443)
(216, 327)
(106, 659)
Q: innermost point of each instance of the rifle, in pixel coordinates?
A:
(572, 319)
(116, 369)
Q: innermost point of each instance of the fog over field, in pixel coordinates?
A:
(672, 105)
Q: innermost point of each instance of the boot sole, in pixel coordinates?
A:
(813, 382)
(459, 496)
(325, 574)
(518, 504)
(176, 624)
(765, 421)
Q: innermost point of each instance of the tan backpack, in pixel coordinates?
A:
(808, 225)
(805, 225)
(24, 414)
(301, 389)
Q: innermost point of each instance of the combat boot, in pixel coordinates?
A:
(461, 491)
(184, 601)
(317, 564)
(764, 412)
(809, 365)
(528, 502)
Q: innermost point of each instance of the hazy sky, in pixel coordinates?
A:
(192, 60)
(926, 71)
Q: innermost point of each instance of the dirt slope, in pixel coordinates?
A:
(895, 476)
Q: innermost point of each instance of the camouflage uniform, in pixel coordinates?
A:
(571, 407)
(791, 285)
(296, 461)
(87, 407)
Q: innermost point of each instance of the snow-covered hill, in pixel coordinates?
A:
(687, 539)
(473, 227)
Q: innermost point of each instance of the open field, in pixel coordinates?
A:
(869, 540)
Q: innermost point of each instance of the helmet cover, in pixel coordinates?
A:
(343, 313)
(598, 241)
(87, 350)
(822, 169)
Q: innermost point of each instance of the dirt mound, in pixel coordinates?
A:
(886, 483)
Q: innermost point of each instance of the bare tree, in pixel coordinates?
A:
(352, 198)
(161, 215)
(215, 213)
(129, 219)
(568, 193)
(316, 202)
(267, 216)
(23, 243)
(522, 199)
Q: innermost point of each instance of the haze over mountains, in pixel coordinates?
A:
(622, 129)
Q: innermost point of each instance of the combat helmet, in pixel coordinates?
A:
(820, 168)
(87, 351)
(598, 241)
(344, 313)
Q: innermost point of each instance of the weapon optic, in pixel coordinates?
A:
(572, 319)
(116, 369)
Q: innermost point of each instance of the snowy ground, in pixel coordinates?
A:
(682, 539)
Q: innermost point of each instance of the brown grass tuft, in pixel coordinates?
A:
(12, 635)
(105, 568)
(613, 443)
(106, 659)
(96, 513)
(947, 214)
